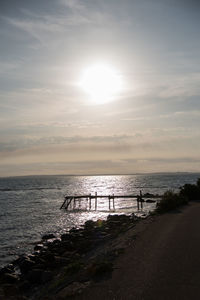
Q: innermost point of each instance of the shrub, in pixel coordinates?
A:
(73, 267)
(191, 191)
(100, 268)
(170, 201)
(198, 182)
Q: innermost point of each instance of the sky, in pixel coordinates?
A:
(50, 125)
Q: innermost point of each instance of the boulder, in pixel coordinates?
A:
(47, 257)
(35, 276)
(9, 278)
(68, 246)
(74, 230)
(7, 269)
(38, 247)
(63, 261)
(48, 236)
(65, 237)
(38, 276)
(32, 257)
(26, 265)
(89, 225)
(72, 289)
(46, 276)
(24, 286)
(11, 291)
(150, 201)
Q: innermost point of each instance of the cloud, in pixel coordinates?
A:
(73, 143)
(40, 29)
(102, 166)
(70, 15)
(8, 67)
(73, 4)
(162, 160)
(182, 86)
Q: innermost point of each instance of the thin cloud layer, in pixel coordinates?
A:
(49, 125)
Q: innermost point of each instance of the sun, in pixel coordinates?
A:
(101, 82)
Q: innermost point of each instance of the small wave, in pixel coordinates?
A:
(29, 189)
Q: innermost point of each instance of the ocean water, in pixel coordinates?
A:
(30, 206)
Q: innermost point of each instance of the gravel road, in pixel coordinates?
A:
(163, 262)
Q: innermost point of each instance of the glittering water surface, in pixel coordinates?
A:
(30, 205)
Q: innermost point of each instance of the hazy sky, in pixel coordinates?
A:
(49, 125)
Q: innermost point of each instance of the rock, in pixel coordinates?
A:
(47, 257)
(89, 225)
(118, 218)
(100, 268)
(9, 278)
(74, 230)
(36, 253)
(32, 257)
(48, 236)
(149, 195)
(26, 265)
(76, 236)
(65, 237)
(150, 201)
(38, 276)
(68, 246)
(85, 246)
(133, 217)
(11, 290)
(72, 289)
(2, 293)
(62, 260)
(46, 276)
(7, 269)
(24, 285)
(35, 276)
(70, 254)
(56, 242)
(38, 247)
(41, 263)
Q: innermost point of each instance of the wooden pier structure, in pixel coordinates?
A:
(70, 202)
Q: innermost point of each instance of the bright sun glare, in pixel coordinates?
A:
(101, 83)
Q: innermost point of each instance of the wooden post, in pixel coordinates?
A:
(95, 200)
(63, 203)
(74, 204)
(141, 200)
(68, 202)
(90, 201)
(109, 201)
(138, 202)
(71, 203)
(113, 202)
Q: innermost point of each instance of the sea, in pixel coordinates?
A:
(30, 205)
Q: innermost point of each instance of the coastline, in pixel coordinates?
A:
(30, 207)
(71, 262)
(74, 264)
(160, 262)
(123, 258)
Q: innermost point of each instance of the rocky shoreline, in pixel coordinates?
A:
(62, 267)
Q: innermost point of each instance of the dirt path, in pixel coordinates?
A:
(162, 263)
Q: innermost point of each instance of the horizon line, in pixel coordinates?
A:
(103, 174)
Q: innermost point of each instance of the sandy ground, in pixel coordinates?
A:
(161, 260)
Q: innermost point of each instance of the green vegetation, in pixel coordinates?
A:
(171, 200)
(100, 268)
(191, 191)
(74, 267)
